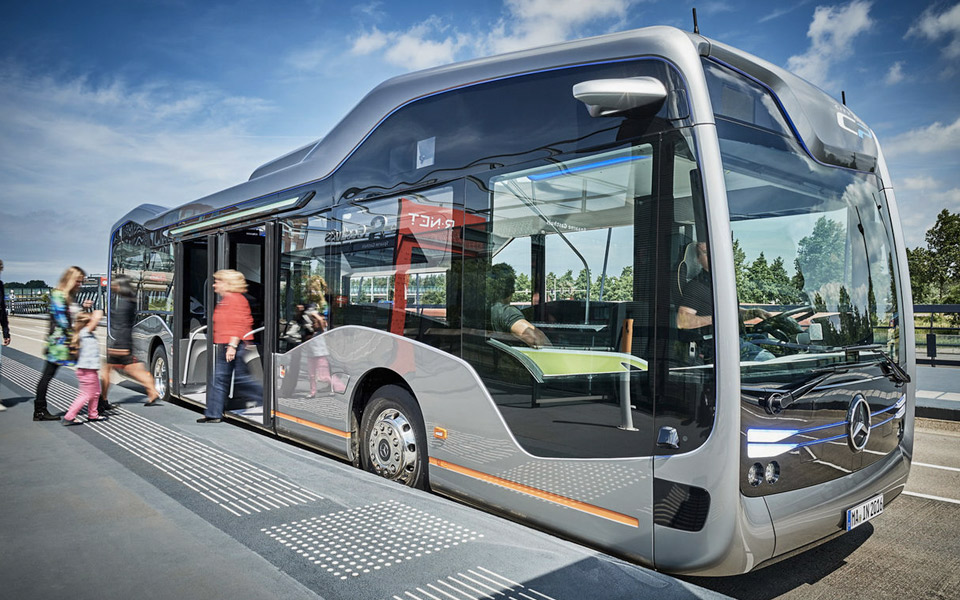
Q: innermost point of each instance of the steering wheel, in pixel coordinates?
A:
(784, 325)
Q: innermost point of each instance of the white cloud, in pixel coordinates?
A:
(920, 206)
(524, 24)
(895, 74)
(933, 26)
(369, 42)
(307, 59)
(933, 138)
(782, 11)
(423, 45)
(831, 34)
(532, 23)
(923, 182)
(77, 156)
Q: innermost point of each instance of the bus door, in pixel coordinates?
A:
(194, 308)
(244, 250)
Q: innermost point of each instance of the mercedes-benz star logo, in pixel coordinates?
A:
(858, 423)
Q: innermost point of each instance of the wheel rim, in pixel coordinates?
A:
(160, 376)
(392, 446)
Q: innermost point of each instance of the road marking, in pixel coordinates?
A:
(929, 497)
(920, 464)
(497, 585)
(359, 541)
(231, 482)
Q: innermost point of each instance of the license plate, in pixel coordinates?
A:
(861, 513)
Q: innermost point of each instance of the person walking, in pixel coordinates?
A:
(314, 324)
(88, 368)
(58, 351)
(120, 354)
(4, 325)
(231, 322)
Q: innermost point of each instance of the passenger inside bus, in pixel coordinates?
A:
(501, 283)
(695, 310)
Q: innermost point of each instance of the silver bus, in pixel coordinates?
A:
(644, 290)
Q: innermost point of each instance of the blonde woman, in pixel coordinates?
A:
(62, 309)
(231, 322)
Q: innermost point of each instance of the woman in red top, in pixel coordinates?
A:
(231, 322)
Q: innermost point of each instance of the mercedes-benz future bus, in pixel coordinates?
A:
(644, 290)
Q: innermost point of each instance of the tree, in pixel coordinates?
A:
(523, 289)
(820, 254)
(620, 289)
(921, 277)
(943, 244)
(746, 290)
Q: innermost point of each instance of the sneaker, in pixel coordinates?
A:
(208, 420)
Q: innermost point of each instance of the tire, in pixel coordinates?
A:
(160, 371)
(393, 443)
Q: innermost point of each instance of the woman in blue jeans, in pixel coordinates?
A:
(231, 322)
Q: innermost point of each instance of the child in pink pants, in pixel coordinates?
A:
(88, 367)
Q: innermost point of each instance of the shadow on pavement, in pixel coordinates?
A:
(780, 578)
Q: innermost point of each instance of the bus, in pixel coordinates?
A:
(644, 291)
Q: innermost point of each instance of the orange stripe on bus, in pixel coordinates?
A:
(305, 423)
(536, 493)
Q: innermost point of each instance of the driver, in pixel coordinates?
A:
(506, 317)
(696, 307)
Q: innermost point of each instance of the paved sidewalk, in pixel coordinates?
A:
(938, 393)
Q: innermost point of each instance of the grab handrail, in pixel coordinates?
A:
(186, 360)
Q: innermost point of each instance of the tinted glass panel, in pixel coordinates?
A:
(157, 289)
(557, 304)
(813, 250)
(476, 128)
(128, 256)
(395, 262)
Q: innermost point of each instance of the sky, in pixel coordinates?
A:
(108, 105)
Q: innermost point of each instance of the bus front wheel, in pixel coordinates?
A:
(393, 444)
(160, 372)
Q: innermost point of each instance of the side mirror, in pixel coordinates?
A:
(607, 97)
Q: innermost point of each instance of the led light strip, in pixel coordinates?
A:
(236, 215)
(765, 443)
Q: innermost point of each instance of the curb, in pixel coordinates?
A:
(941, 414)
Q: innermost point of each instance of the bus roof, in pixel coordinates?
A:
(814, 114)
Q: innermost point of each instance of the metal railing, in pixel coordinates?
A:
(34, 301)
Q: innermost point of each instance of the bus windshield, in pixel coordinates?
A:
(813, 246)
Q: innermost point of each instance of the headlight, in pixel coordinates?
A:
(772, 472)
(755, 474)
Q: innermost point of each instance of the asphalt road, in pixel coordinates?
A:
(152, 505)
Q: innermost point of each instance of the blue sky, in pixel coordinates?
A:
(107, 105)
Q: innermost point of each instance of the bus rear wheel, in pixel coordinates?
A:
(160, 372)
(393, 444)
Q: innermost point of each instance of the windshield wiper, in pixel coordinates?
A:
(781, 399)
(897, 374)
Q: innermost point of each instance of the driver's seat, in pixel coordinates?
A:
(689, 267)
